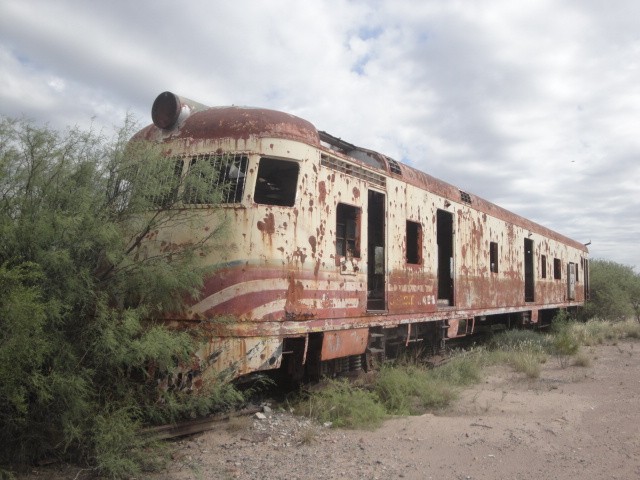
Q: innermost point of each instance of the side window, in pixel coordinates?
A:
(543, 265)
(414, 243)
(493, 256)
(557, 269)
(277, 182)
(348, 231)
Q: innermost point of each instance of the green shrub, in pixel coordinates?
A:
(564, 340)
(77, 339)
(528, 363)
(523, 350)
(519, 340)
(461, 370)
(614, 292)
(344, 405)
(407, 389)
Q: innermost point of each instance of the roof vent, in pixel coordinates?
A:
(394, 166)
(168, 108)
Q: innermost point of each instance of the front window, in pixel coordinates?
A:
(158, 182)
(277, 182)
(215, 179)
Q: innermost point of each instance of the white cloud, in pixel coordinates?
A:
(531, 104)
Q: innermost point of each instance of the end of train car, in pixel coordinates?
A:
(336, 254)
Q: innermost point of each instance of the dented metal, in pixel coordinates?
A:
(292, 267)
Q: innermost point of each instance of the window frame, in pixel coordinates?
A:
(557, 269)
(267, 175)
(348, 216)
(226, 182)
(494, 256)
(413, 243)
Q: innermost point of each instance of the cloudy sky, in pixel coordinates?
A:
(531, 104)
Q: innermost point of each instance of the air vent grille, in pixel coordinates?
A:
(353, 170)
(465, 197)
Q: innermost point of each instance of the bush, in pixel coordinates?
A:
(408, 389)
(344, 405)
(404, 388)
(519, 340)
(79, 295)
(615, 292)
(461, 370)
(523, 350)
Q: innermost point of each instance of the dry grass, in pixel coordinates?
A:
(582, 359)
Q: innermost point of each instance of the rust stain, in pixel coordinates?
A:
(266, 290)
(299, 254)
(322, 192)
(267, 225)
(312, 242)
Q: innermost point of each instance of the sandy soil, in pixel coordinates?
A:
(571, 423)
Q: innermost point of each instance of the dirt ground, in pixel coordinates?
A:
(571, 423)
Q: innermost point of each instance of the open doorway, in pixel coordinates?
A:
(444, 232)
(528, 271)
(376, 283)
(571, 281)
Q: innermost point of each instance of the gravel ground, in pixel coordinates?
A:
(571, 423)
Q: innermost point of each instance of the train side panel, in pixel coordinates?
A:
(329, 255)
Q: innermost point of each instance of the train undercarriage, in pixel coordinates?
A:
(302, 357)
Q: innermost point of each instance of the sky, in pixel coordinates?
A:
(530, 104)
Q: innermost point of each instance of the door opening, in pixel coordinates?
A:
(528, 271)
(585, 274)
(376, 274)
(444, 232)
(571, 281)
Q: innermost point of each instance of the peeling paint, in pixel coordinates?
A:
(263, 286)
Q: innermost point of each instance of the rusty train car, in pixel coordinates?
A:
(337, 254)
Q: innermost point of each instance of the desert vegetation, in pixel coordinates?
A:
(409, 387)
(78, 344)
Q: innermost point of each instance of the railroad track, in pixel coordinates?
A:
(197, 425)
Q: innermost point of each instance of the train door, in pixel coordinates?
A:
(585, 274)
(376, 280)
(444, 233)
(528, 271)
(571, 281)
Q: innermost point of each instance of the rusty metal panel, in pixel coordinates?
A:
(240, 123)
(277, 271)
(344, 343)
(233, 357)
(223, 359)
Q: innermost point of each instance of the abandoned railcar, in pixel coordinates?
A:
(337, 254)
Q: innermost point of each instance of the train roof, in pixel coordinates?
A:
(177, 118)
